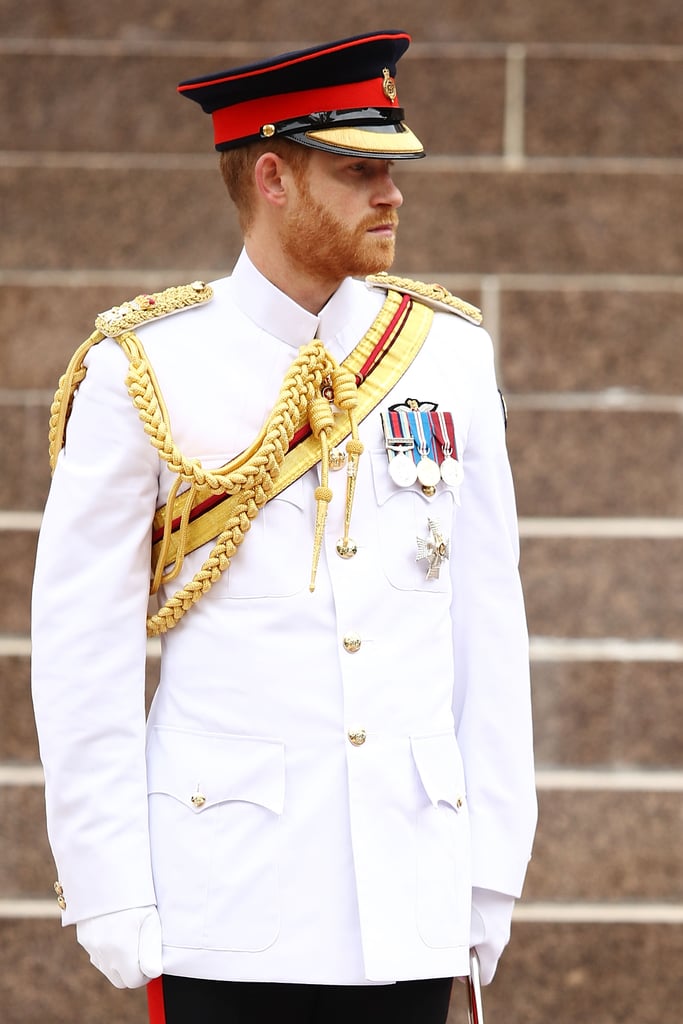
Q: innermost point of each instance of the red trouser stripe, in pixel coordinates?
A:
(155, 1002)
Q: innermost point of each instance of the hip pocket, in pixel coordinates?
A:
(444, 883)
(215, 803)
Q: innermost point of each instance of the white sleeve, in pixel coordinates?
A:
(492, 703)
(90, 599)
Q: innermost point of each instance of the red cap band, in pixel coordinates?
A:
(243, 120)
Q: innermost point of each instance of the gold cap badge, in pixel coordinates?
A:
(388, 85)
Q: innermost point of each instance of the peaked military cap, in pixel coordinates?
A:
(340, 97)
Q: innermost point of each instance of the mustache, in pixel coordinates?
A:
(380, 220)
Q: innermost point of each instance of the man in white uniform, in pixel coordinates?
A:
(333, 797)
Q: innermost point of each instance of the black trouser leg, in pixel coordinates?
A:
(189, 1001)
(406, 1002)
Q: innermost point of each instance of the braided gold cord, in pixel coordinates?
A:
(250, 476)
(217, 562)
(60, 410)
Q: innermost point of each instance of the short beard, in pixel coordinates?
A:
(325, 247)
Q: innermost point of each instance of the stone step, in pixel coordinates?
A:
(591, 845)
(18, 741)
(493, 222)
(145, 114)
(608, 714)
(566, 462)
(52, 981)
(607, 846)
(573, 973)
(625, 338)
(596, 462)
(610, 21)
(602, 587)
(550, 973)
(638, 116)
(592, 715)
(589, 104)
(17, 550)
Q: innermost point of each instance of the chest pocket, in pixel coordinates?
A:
(403, 517)
(271, 561)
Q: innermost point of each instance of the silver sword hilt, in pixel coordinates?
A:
(475, 1009)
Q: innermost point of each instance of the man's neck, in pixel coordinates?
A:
(308, 291)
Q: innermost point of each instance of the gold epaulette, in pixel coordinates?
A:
(116, 323)
(129, 315)
(435, 295)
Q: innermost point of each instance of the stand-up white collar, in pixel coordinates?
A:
(276, 313)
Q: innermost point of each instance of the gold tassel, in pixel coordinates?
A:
(321, 420)
(346, 398)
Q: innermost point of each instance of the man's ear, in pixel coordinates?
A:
(270, 176)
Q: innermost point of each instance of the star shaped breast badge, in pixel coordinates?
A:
(435, 549)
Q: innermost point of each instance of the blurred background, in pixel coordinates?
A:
(552, 198)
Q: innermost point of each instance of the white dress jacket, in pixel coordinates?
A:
(307, 858)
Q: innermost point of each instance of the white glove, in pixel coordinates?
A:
(125, 946)
(490, 928)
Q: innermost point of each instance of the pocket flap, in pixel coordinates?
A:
(204, 769)
(440, 768)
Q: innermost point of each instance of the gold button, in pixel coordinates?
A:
(458, 803)
(357, 737)
(352, 643)
(347, 548)
(59, 892)
(337, 459)
(198, 799)
(267, 131)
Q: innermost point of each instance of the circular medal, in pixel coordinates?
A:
(428, 472)
(402, 470)
(451, 471)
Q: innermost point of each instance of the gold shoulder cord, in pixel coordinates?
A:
(250, 476)
(114, 323)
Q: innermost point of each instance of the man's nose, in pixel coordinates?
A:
(388, 194)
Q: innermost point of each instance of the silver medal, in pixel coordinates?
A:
(428, 472)
(451, 472)
(402, 470)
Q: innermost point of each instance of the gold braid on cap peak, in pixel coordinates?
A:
(250, 475)
(434, 295)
